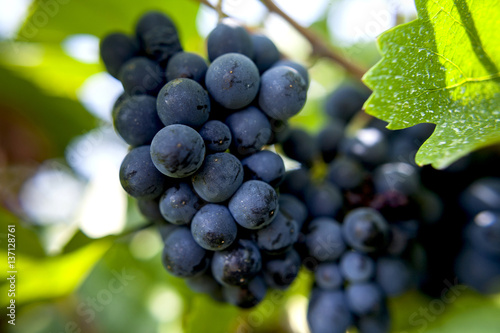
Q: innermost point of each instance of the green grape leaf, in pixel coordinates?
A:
(461, 311)
(47, 66)
(442, 68)
(204, 310)
(51, 277)
(53, 21)
(27, 239)
(42, 111)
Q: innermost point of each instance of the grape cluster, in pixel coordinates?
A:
(377, 225)
(362, 215)
(197, 163)
(478, 264)
(460, 246)
(358, 212)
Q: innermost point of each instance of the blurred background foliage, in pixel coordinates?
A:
(84, 263)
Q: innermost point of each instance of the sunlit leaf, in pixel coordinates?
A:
(51, 277)
(458, 313)
(442, 68)
(59, 119)
(53, 21)
(47, 66)
(27, 239)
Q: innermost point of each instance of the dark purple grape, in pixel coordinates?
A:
(187, 65)
(484, 232)
(219, 177)
(136, 120)
(233, 80)
(216, 135)
(366, 230)
(139, 176)
(295, 65)
(328, 276)
(301, 146)
(394, 276)
(482, 194)
(250, 130)
(365, 298)
(357, 267)
(229, 37)
(283, 92)
(182, 256)
(279, 236)
(324, 239)
(328, 312)
(150, 209)
(213, 227)
(246, 296)
(141, 76)
(158, 36)
(115, 50)
(179, 204)
(323, 200)
(281, 270)
(266, 53)
(254, 205)
(265, 166)
(238, 264)
(183, 101)
(294, 208)
(345, 102)
(177, 151)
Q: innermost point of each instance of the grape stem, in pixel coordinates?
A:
(320, 48)
(218, 9)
